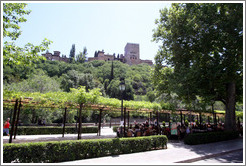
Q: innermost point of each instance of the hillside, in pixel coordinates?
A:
(48, 76)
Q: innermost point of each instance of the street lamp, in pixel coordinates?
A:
(122, 88)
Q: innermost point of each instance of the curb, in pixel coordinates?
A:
(208, 156)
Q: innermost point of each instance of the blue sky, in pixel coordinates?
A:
(94, 25)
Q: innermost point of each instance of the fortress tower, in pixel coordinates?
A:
(131, 56)
(132, 53)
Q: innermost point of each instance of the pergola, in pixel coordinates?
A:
(27, 102)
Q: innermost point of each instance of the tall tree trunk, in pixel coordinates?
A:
(230, 118)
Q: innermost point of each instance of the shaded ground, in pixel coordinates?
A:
(233, 157)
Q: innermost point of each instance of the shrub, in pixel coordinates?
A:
(203, 138)
(33, 130)
(43, 152)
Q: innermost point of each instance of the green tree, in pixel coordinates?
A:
(96, 54)
(13, 15)
(72, 54)
(75, 79)
(37, 82)
(81, 57)
(203, 45)
(82, 97)
(112, 71)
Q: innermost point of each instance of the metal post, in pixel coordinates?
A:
(214, 116)
(124, 121)
(121, 118)
(64, 121)
(158, 123)
(110, 122)
(80, 121)
(169, 123)
(13, 121)
(150, 116)
(99, 123)
(77, 119)
(215, 120)
(18, 114)
(181, 118)
(200, 118)
(128, 119)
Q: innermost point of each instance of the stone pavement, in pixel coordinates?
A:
(175, 153)
(106, 132)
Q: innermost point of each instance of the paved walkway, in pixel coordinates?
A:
(106, 132)
(175, 153)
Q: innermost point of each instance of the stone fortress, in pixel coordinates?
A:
(131, 56)
(55, 56)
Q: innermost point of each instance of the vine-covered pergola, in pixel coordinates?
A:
(80, 99)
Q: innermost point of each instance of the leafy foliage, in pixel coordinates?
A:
(49, 152)
(203, 138)
(95, 74)
(72, 54)
(201, 53)
(13, 14)
(81, 57)
(38, 82)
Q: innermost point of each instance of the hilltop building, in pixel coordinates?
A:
(55, 56)
(100, 55)
(131, 56)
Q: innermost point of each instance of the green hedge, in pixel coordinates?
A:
(52, 130)
(44, 152)
(203, 138)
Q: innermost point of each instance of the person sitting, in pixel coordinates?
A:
(155, 122)
(167, 132)
(187, 130)
(147, 132)
(142, 129)
(137, 129)
(182, 131)
(131, 129)
(146, 124)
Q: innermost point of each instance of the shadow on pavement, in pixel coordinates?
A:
(213, 148)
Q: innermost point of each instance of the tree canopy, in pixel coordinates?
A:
(13, 15)
(202, 44)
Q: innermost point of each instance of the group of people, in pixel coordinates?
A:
(153, 128)
(140, 129)
(183, 130)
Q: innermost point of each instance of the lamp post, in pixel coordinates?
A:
(122, 88)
